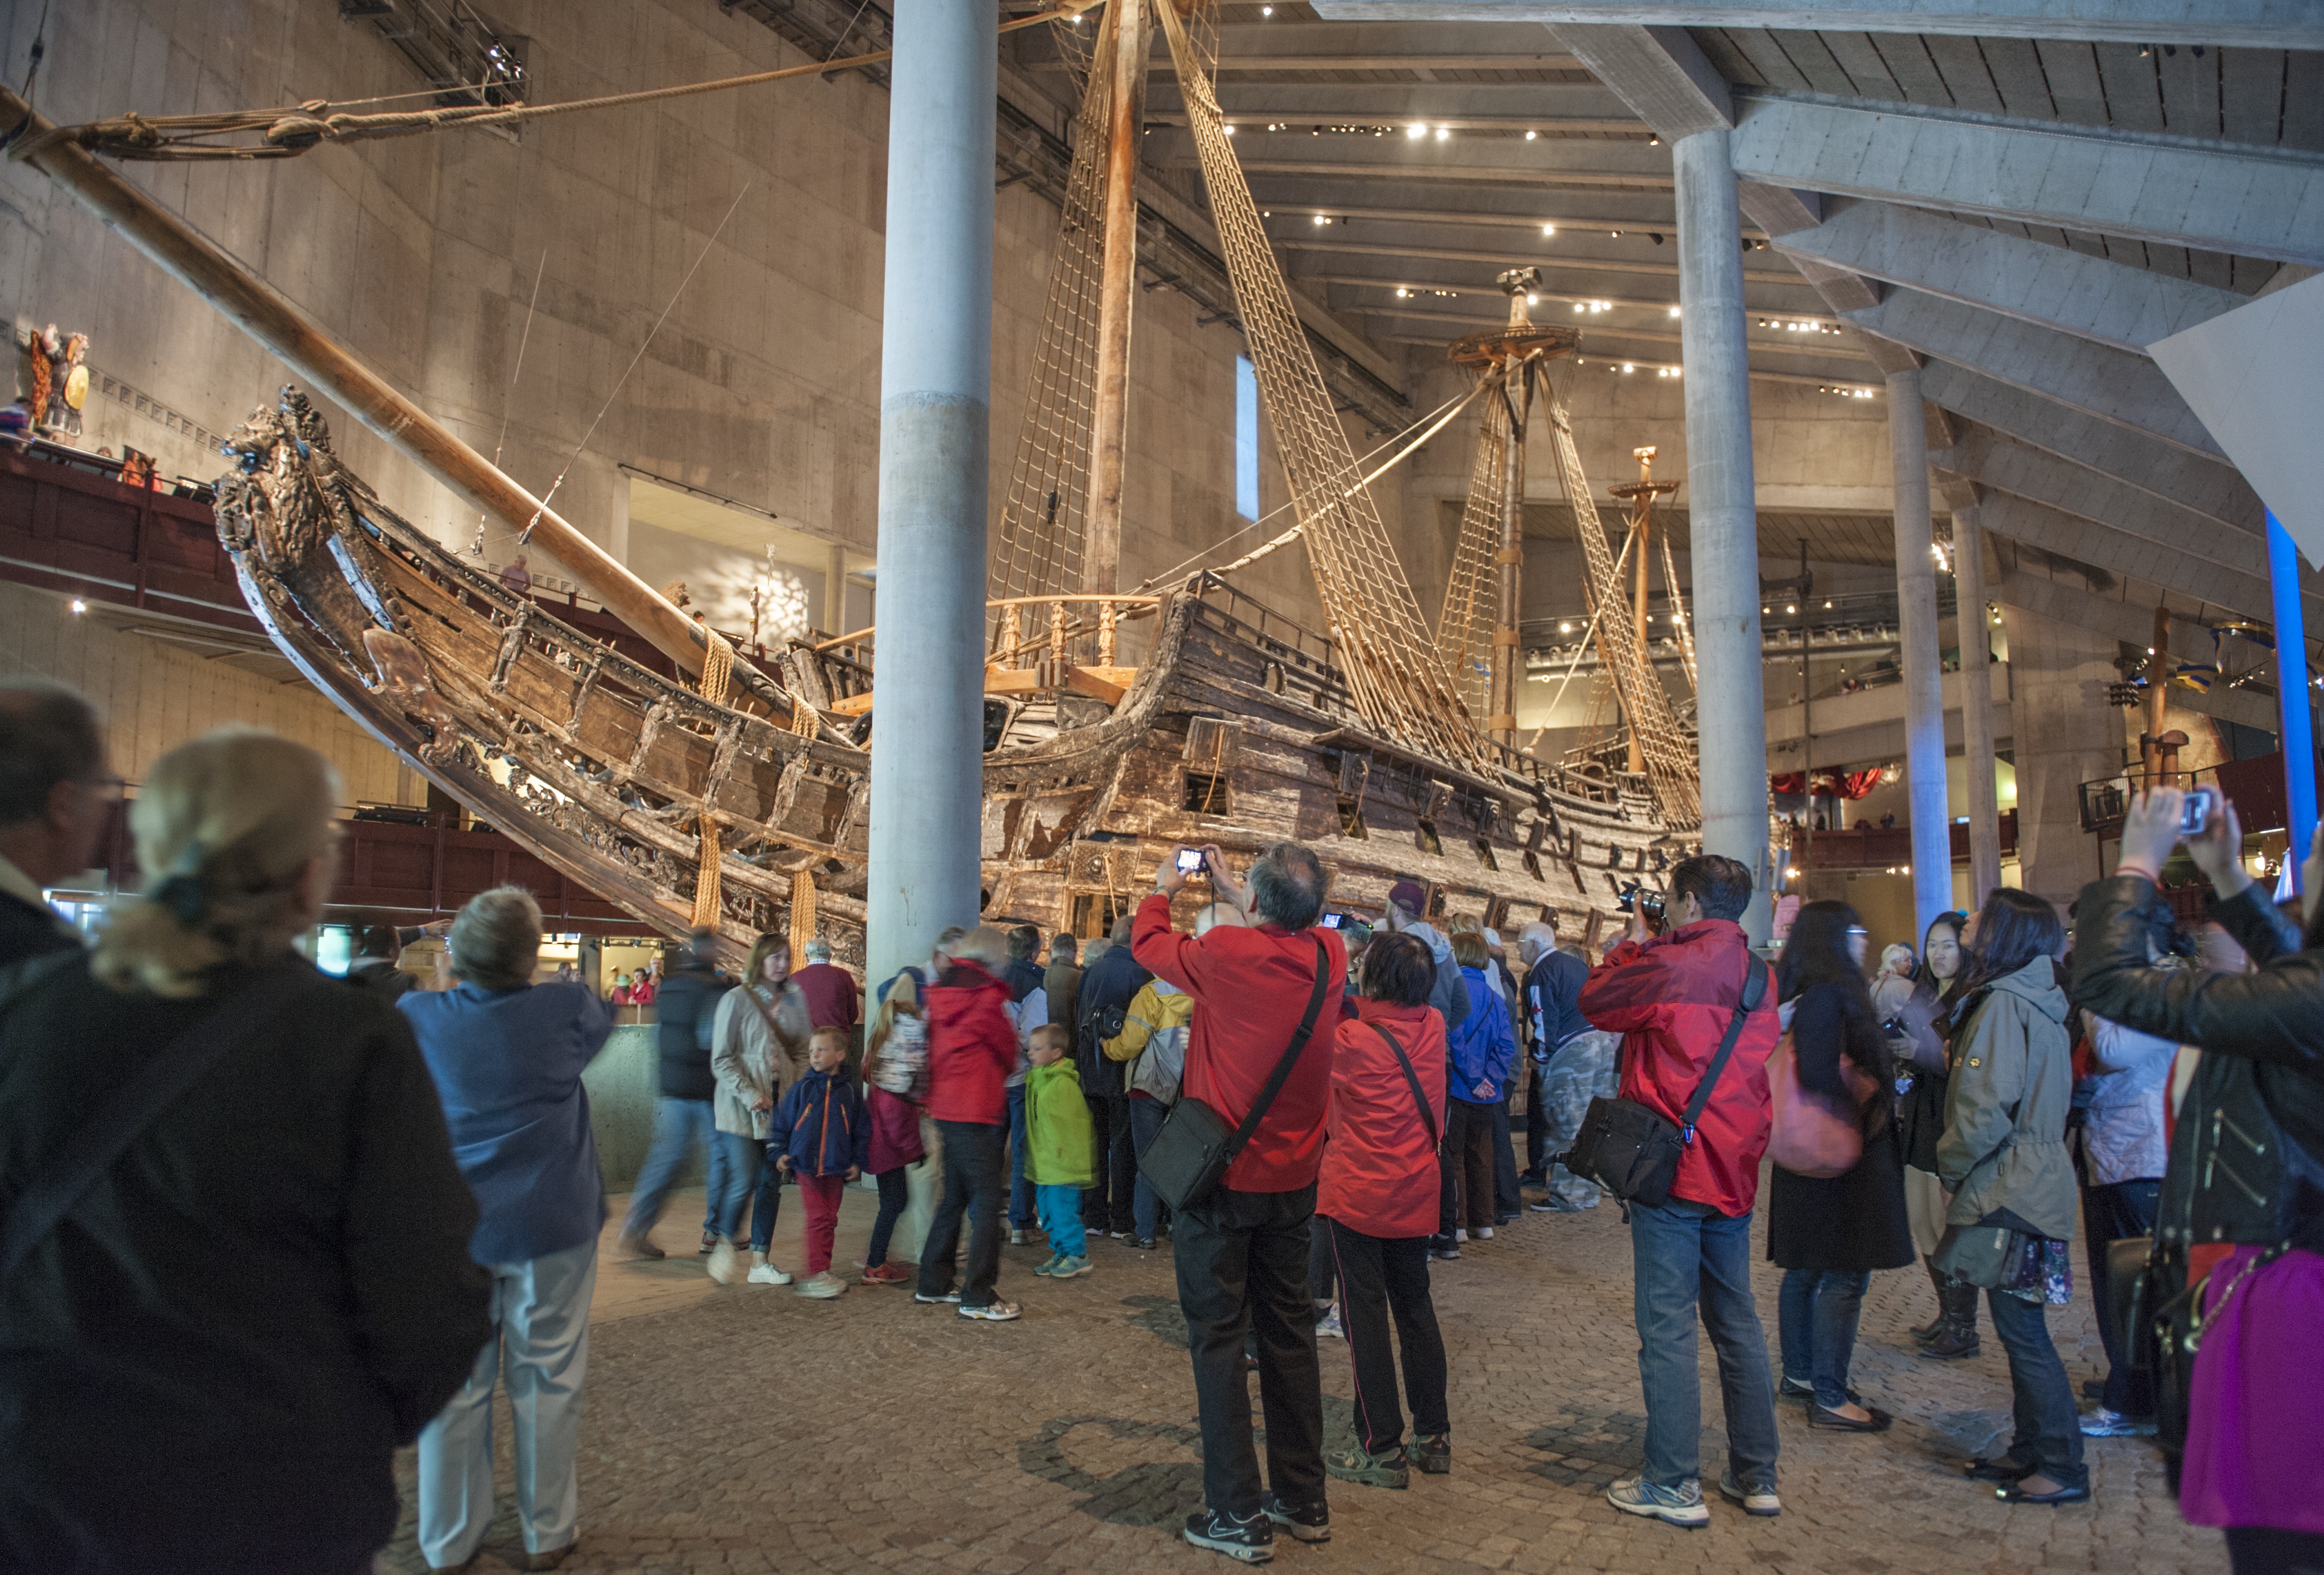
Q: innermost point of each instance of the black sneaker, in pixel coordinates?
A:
(1144, 1244)
(1433, 1453)
(1310, 1522)
(1251, 1541)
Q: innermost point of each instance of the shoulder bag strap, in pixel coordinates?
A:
(1755, 990)
(1282, 1072)
(134, 1107)
(1412, 1082)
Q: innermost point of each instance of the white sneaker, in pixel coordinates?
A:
(823, 1287)
(1460, 1234)
(1016, 1238)
(1329, 1327)
(723, 1262)
(768, 1274)
(1484, 1233)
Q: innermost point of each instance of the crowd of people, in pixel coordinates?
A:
(263, 1226)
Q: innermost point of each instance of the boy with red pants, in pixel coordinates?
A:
(819, 1137)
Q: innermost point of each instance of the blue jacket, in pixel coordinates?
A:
(1482, 1048)
(507, 1064)
(822, 1126)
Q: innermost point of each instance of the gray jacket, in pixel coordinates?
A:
(2012, 1084)
(2122, 1127)
(1450, 995)
(752, 1064)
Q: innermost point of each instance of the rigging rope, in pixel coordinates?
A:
(717, 672)
(289, 130)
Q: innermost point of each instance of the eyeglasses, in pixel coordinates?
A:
(1858, 930)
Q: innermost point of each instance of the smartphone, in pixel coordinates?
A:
(2195, 811)
(1333, 921)
(1190, 860)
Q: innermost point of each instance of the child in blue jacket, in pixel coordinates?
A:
(1479, 1050)
(820, 1138)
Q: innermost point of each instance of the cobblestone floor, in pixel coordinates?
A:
(746, 1429)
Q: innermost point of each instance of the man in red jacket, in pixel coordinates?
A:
(1242, 1253)
(1672, 997)
(971, 1050)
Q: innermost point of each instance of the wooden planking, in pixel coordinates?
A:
(2071, 70)
(2133, 101)
(2251, 95)
(1962, 62)
(2016, 68)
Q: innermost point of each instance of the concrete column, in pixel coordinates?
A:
(1983, 806)
(2292, 697)
(1916, 629)
(936, 375)
(835, 590)
(2063, 734)
(1722, 516)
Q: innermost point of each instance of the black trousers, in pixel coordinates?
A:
(1379, 1279)
(1242, 1267)
(1465, 1167)
(1505, 1163)
(2117, 1213)
(975, 1180)
(2259, 1549)
(1537, 1145)
(1107, 1205)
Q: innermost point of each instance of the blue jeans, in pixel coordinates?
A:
(1686, 1254)
(1146, 1118)
(895, 1194)
(680, 1124)
(1816, 1321)
(769, 1203)
(1060, 1208)
(2049, 1434)
(1021, 1213)
(714, 1177)
(745, 1157)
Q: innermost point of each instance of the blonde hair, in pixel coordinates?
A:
(226, 826)
(1049, 1036)
(765, 946)
(904, 991)
(985, 944)
(496, 940)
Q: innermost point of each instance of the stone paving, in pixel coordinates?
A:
(747, 1429)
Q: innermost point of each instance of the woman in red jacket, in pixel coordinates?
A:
(1378, 1196)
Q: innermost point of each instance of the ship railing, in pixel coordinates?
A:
(1057, 641)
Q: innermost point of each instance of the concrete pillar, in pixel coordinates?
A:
(1722, 516)
(2292, 696)
(2063, 734)
(936, 375)
(1916, 630)
(835, 590)
(1983, 806)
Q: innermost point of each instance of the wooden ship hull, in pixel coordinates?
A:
(1238, 729)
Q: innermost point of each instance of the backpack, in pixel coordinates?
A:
(901, 1067)
(1161, 1066)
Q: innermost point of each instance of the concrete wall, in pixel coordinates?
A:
(421, 254)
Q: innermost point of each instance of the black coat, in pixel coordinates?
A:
(27, 931)
(686, 997)
(2261, 1032)
(1112, 981)
(1855, 1221)
(222, 1344)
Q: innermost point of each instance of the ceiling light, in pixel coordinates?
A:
(1827, 607)
(80, 606)
(1321, 218)
(1416, 131)
(1401, 292)
(1615, 233)
(1266, 11)
(1532, 300)
(1673, 311)
(1626, 367)
(1566, 629)
(1443, 132)
(1653, 141)
(1790, 609)
(1229, 131)
(1549, 230)
(1531, 134)
(1579, 309)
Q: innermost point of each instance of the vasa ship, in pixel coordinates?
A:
(734, 794)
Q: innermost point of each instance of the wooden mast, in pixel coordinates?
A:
(1508, 559)
(1641, 495)
(255, 307)
(1129, 36)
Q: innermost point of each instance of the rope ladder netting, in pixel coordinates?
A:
(1389, 658)
(1471, 592)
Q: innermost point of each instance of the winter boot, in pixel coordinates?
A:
(1957, 1335)
(1923, 1332)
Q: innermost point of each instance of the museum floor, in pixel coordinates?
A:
(747, 1429)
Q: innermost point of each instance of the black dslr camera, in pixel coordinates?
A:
(1636, 897)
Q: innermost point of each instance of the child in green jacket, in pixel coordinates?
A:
(1061, 1154)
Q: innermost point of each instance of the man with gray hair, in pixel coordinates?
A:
(833, 1000)
(55, 794)
(1242, 1252)
(1573, 1063)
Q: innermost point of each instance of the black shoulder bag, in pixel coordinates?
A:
(1412, 1082)
(125, 1115)
(1632, 1150)
(1190, 1155)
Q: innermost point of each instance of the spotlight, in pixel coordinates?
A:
(1532, 300)
(1549, 230)
(80, 606)
(1653, 141)
(1531, 134)
(1673, 311)
(1320, 219)
(1416, 131)
(1229, 131)
(1266, 11)
(1443, 131)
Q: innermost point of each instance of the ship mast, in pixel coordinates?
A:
(1640, 494)
(1130, 40)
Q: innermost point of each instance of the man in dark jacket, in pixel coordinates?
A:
(1242, 1251)
(55, 794)
(1108, 986)
(1550, 1010)
(683, 1116)
(377, 946)
(1673, 997)
(1023, 975)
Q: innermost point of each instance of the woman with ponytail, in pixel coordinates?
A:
(233, 1272)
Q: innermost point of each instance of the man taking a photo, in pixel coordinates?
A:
(1672, 996)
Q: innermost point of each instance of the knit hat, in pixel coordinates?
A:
(1410, 896)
